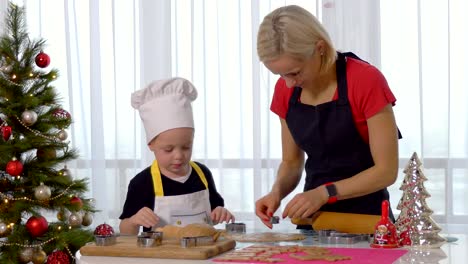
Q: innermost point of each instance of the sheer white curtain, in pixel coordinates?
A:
(107, 49)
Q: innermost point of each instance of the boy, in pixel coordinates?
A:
(173, 190)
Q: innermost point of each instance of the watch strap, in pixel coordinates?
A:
(332, 193)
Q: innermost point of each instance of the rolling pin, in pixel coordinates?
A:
(341, 222)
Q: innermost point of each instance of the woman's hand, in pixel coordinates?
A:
(304, 204)
(144, 217)
(221, 214)
(266, 206)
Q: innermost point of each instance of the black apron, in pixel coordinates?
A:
(335, 149)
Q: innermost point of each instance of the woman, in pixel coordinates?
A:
(336, 109)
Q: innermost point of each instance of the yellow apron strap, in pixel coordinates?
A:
(157, 181)
(200, 173)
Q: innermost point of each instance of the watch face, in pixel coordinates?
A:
(332, 193)
(331, 188)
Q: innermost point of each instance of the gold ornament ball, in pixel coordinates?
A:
(87, 219)
(39, 256)
(63, 215)
(46, 154)
(26, 255)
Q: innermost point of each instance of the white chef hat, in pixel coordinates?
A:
(165, 104)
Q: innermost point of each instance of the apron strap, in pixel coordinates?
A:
(157, 180)
(200, 173)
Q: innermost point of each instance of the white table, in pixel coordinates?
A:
(455, 252)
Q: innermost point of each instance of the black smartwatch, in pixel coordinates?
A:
(332, 193)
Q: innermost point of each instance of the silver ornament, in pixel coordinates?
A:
(25, 255)
(29, 117)
(6, 68)
(87, 219)
(42, 192)
(3, 229)
(65, 173)
(92, 202)
(62, 135)
(75, 220)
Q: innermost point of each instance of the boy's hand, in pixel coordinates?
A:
(221, 214)
(145, 217)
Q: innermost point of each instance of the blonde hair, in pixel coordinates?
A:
(294, 31)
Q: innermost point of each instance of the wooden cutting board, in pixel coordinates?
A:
(126, 246)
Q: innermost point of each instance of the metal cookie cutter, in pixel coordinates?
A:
(105, 240)
(274, 220)
(186, 242)
(146, 241)
(235, 228)
(158, 236)
(335, 237)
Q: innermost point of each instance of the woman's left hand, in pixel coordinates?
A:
(304, 204)
(221, 214)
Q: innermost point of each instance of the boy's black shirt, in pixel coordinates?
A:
(140, 191)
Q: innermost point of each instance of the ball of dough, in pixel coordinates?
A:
(197, 230)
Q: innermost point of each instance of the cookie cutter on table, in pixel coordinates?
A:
(105, 240)
(186, 242)
(330, 236)
(148, 241)
(153, 234)
(236, 228)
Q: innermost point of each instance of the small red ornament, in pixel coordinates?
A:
(104, 230)
(37, 225)
(58, 257)
(385, 235)
(76, 202)
(405, 239)
(14, 167)
(42, 60)
(6, 132)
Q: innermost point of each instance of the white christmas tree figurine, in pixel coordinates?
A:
(415, 226)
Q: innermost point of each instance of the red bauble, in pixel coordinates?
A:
(76, 202)
(37, 226)
(104, 230)
(42, 60)
(58, 257)
(61, 114)
(6, 132)
(14, 167)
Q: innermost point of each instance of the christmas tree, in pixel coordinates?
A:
(415, 226)
(34, 179)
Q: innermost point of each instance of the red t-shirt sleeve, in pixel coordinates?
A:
(368, 89)
(368, 93)
(280, 102)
